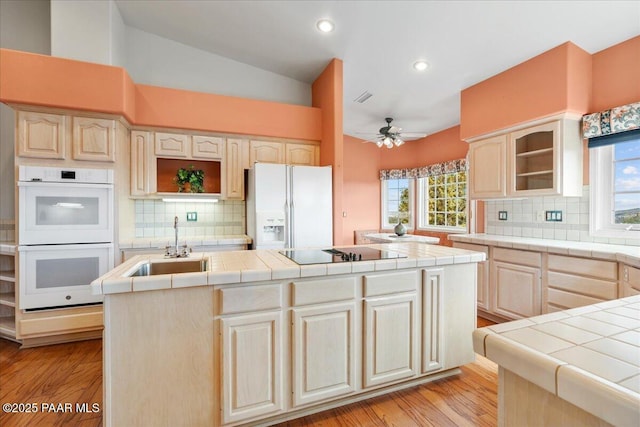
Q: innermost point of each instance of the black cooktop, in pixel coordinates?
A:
(328, 256)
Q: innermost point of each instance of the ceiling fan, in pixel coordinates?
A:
(392, 136)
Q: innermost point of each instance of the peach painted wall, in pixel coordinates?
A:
(326, 93)
(616, 75)
(361, 187)
(550, 83)
(28, 78)
(42, 80)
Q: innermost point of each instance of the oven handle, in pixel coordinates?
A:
(61, 184)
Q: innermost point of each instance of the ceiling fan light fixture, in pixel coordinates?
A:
(379, 143)
(325, 26)
(420, 65)
(398, 142)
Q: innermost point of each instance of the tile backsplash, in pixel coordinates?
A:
(525, 218)
(154, 218)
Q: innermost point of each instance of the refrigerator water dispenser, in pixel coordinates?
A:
(271, 228)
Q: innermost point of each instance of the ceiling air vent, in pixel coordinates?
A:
(363, 97)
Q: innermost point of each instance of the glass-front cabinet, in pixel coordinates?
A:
(543, 159)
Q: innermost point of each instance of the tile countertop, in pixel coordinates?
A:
(392, 238)
(161, 242)
(588, 356)
(627, 254)
(263, 265)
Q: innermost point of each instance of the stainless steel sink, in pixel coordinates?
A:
(171, 267)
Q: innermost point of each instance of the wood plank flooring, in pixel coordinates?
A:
(72, 373)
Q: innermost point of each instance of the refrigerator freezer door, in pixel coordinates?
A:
(311, 206)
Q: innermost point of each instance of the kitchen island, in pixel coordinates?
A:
(574, 367)
(255, 338)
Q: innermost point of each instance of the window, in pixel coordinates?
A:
(442, 202)
(397, 202)
(615, 185)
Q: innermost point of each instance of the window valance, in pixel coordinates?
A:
(619, 119)
(425, 171)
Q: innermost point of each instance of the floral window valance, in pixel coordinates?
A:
(619, 119)
(424, 171)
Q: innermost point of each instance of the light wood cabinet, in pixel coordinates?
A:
(94, 139)
(143, 166)
(41, 135)
(575, 282)
(251, 366)
(629, 280)
(266, 152)
(207, 147)
(171, 145)
(7, 294)
(515, 283)
(390, 327)
(488, 168)
(540, 159)
(234, 169)
(302, 154)
(482, 282)
(323, 352)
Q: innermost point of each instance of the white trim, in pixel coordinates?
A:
(442, 228)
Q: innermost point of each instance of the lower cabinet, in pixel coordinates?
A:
(482, 283)
(323, 352)
(515, 282)
(251, 366)
(432, 319)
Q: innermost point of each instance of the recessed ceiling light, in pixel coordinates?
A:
(325, 26)
(420, 65)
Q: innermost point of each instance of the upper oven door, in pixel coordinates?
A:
(64, 213)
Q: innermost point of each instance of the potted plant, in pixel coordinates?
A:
(190, 180)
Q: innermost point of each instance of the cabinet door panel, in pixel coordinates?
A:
(234, 169)
(266, 152)
(94, 139)
(251, 366)
(432, 319)
(41, 135)
(172, 145)
(390, 336)
(207, 147)
(323, 359)
(482, 288)
(488, 168)
(142, 168)
(301, 154)
(517, 290)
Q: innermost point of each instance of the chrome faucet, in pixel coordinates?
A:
(175, 251)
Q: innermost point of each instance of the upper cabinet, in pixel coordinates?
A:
(266, 152)
(172, 145)
(58, 136)
(41, 135)
(542, 159)
(302, 154)
(94, 139)
(207, 147)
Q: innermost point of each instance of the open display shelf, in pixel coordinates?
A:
(167, 169)
(7, 293)
(534, 161)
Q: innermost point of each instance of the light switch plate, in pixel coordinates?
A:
(192, 216)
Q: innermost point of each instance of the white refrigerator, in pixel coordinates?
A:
(289, 206)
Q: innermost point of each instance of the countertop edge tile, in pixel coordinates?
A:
(602, 398)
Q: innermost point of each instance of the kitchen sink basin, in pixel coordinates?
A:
(170, 267)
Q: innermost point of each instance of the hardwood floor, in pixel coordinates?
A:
(72, 373)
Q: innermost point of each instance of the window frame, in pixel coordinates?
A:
(383, 198)
(422, 203)
(602, 193)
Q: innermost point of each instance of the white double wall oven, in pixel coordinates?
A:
(65, 234)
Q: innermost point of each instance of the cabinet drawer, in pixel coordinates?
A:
(583, 267)
(249, 298)
(319, 291)
(583, 285)
(514, 256)
(393, 283)
(565, 300)
(631, 275)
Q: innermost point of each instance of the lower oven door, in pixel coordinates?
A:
(61, 275)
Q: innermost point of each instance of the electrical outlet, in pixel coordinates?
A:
(553, 216)
(192, 216)
(502, 215)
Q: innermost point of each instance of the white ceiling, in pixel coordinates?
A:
(464, 42)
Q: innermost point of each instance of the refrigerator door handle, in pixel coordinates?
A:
(287, 232)
(292, 216)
